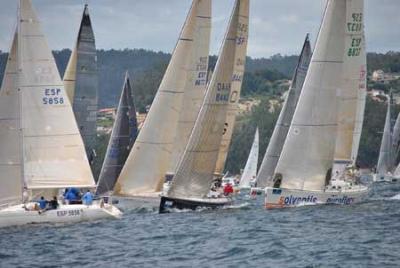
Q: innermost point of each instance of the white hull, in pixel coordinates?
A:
(18, 215)
(281, 197)
(385, 178)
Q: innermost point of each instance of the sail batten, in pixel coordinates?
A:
(308, 152)
(154, 144)
(196, 168)
(277, 140)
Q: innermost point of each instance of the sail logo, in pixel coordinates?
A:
(52, 96)
(292, 200)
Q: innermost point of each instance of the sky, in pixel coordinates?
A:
(276, 26)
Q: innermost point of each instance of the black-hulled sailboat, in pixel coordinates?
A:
(194, 175)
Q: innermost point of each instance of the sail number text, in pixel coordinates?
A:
(223, 90)
(356, 42)
(52, 96)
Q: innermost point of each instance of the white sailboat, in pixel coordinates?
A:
(41, 148)
(303, 172)
(191, 184)
(250, 170)
(150, 158)
(277, 140)
(386, 160)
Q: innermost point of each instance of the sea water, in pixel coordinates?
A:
(244, 235)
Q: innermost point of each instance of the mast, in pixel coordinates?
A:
(154, 144)
(277, 140)
(122, 137)
(307, 154)
(250, 169)
(195, 171)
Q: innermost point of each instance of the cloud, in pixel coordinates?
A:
(275, 26)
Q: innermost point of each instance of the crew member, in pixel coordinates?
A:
(228, 189)
(87, 198)
(53, 204)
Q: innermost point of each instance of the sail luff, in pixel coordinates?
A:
(196, 168)
(85, 90)
(53, 151)
(122, 137)
(250, 169)
(154, 144)
(277, 140)
(385, 151)
(69, 79)
(349, 93)
(11, 181)
(195, 86)
(307, 154)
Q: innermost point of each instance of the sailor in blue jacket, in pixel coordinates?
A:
(87, 198)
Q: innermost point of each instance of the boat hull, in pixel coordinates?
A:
(385, 178)
(281, 198)
(18, 215)
(168, 203)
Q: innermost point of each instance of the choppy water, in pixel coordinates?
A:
(362, 235)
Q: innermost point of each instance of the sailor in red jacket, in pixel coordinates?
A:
(228, 189)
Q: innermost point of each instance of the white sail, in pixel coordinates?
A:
(10, 158)
(349, 93)
(250, 170)
(53, 151)
(195, 85)
(385, 152)
(277, 140)
(308, 151)
(196, 169)
(396, 137)
(151, 154)
(70, 76)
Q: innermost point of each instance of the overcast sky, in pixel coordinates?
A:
(276, 26)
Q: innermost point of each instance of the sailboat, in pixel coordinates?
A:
(41, 147)
(386, 169)
(303, 174)
(81, 83)
(150, 158)
(192, 181)
(277, 140)
(250, 170)
(123, 136)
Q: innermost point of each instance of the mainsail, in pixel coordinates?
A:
(81, 83)
(352, 87)
(250, 170)
(274, 149)
(196, 168)
(151, 154)
(53, 154)
(195, 86)
(385, 152)
(307, 154)
(123, 136)
(10, 153)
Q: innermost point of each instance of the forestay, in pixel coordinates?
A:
(53, 151)
(82, 83)
(123, 136)
(250, 170)
(151, 154)
(307, 154)
(352, 87)
(196, 169)
(195, 85)
(10, 158)
(277, 140)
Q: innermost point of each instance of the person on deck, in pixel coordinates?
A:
(87, 198)
(53, 204)
(228, 189)
(72, 196)
(42, 203)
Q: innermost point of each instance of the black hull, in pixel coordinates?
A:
(167, 203)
